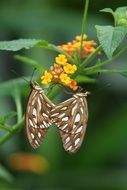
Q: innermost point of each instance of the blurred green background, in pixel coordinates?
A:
(101, 163)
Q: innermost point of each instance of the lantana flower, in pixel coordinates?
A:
(79, 37)
(70, 69)
(73, 85)
(62, 69)
(61, 59)
(65, 79)
(75, 45)
(60, 72)
(46, 78)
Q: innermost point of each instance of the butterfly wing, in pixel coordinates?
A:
(37, 116)
(71, 118)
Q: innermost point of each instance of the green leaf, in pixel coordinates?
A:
(19, 44)
(121, 12)
(5, 175)
(16, 45)
(107, 10)
(29, 61)
(121, 16)
(84, 79)
(110, 37)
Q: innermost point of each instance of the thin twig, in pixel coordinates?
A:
(107, 61)
(14, 130)
(84, 22)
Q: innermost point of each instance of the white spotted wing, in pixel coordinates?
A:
(37, 115)
(71, 118)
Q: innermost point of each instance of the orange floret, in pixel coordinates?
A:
(75, 45)
(73, 85)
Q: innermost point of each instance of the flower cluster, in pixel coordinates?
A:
(75, 45)
(60, 73)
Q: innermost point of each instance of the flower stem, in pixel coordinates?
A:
(90, 57)
(14, 130)
(5, 128)
(84, 22)
(17, 100)
(107, 61)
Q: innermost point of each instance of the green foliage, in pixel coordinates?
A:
(110, 37)
(120, 15)
(84, 79)
(107, 10)
(5, 174)
(16, 45)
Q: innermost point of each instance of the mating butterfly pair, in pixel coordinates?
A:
(70, 117)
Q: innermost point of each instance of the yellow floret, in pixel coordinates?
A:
(78, 38)
(70, 69)
(77, 45)
(46, 78)
(61, 59)
(65, 79)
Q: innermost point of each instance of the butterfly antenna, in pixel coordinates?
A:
(17, 74)
(33, 74)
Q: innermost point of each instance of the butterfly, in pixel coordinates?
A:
(70, 116)
(37, 117)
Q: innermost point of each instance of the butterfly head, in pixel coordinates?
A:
(81, 94)
(35, 85)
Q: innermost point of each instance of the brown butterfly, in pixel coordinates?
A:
(38, 118)
(71, 118)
